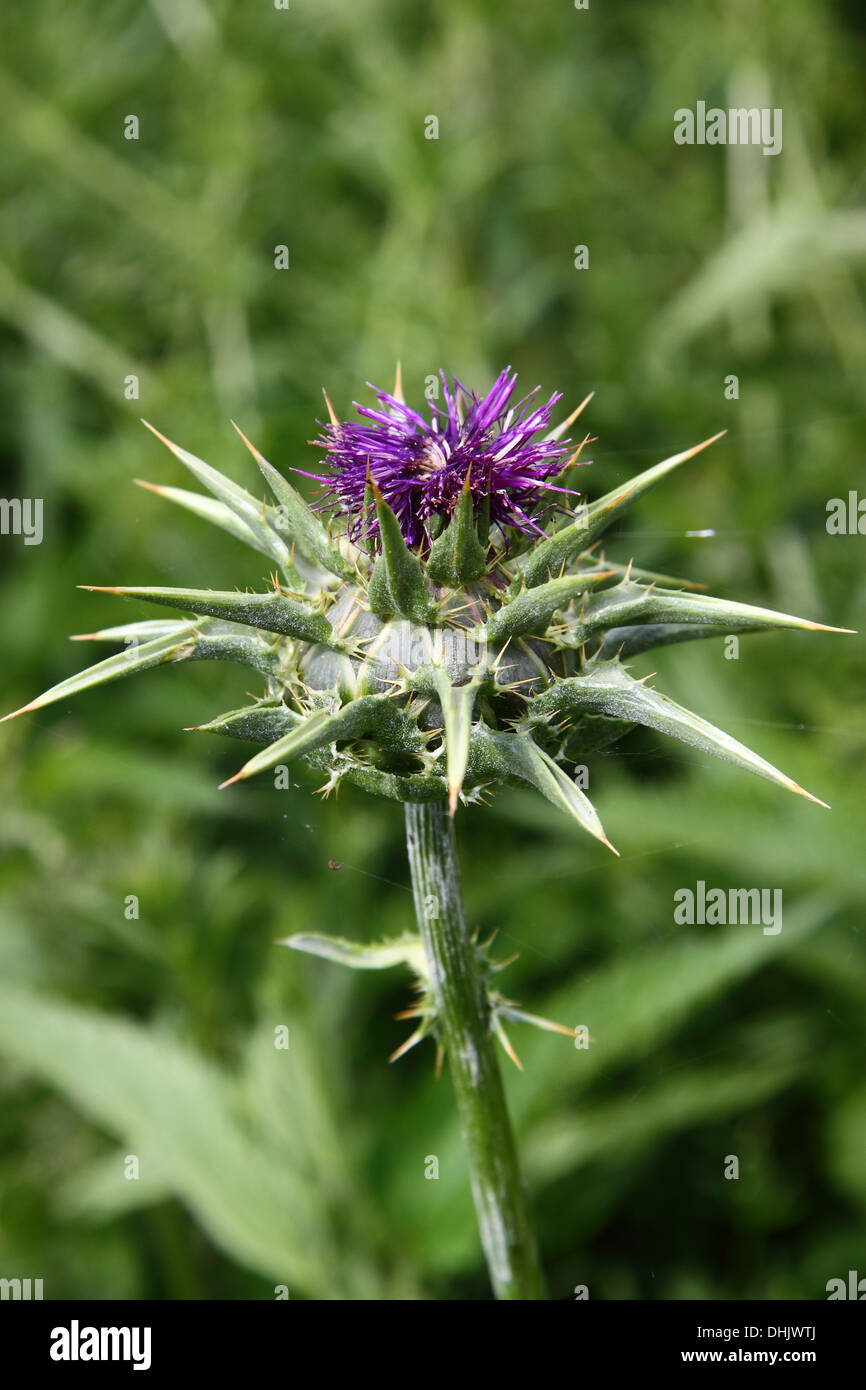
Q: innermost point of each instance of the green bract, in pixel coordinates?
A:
(434, 676)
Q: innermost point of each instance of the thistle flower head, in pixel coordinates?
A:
(444, 661)
(482, 443)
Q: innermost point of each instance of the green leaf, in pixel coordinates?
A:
(457, 703)
(138, 632)
(630, 571)
(672, 1105)
(609, 690)
(199, 642)
(176, 1110)
(263, 722)
(550, 557)
(517, 755)
(635, 1003)
(397, 584)
(354, 719)
(304, 526)
(100, 1192)
(240, 502)
(625, 642)
(457, 556)
(631, 641)
(377, 955)
(217, 513)
(140, 657)
(532, 609)
(846, 1139)
(213, 644)
(272, 611)
(629, 603)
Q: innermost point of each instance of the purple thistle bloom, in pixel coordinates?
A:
(421, 466)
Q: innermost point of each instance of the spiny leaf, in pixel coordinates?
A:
(376, 955)
(214, 644)
(139, 657)
(320, 728)
(630, 603)
(137, 632)
(630, 571)
(517, 755)
(589, 564)
(303, 524)
(397, 584)
(631, 641)
(532, 609)
(273, 611)
(551, 556)
(263, 722)
(211, 510)
(457, 703)
(609, 690)
(457, 556)
(202, 641)
(240, 502)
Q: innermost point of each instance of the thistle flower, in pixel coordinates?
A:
(421, 467)
(453, 628)
(437, 667)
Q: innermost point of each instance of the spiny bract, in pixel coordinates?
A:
(454, 644)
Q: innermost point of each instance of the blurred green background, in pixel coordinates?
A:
(154, 1037)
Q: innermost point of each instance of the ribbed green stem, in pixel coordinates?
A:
(464, 1030)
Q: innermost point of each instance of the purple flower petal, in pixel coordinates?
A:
(421, 466)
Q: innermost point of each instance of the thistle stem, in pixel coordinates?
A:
(464, 1031)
